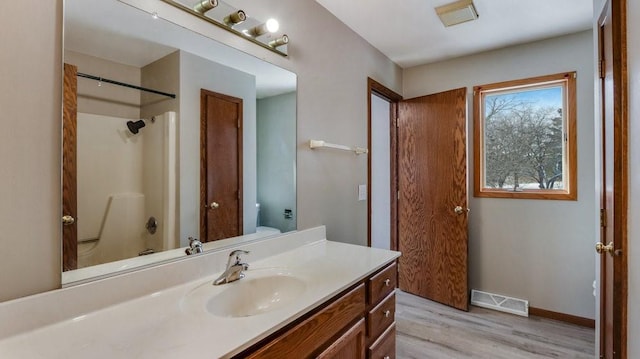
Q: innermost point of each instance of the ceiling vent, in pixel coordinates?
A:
(457, 12)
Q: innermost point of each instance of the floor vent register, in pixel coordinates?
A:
(500, 302)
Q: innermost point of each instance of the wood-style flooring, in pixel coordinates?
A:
(428, 330)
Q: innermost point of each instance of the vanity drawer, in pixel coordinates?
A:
(381, 284)
(381, 317)
(385, 346)
(313, 333)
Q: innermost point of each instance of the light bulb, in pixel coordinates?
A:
(272, 25)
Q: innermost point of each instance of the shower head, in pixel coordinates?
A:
(134, 127)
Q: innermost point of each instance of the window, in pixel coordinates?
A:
(525, 138)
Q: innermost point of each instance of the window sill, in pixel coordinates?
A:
(527, 194)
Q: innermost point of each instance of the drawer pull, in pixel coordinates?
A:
(387, 282)
(387, 313)
(387, 357)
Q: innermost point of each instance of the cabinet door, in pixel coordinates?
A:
(313, 333)
(349, 346)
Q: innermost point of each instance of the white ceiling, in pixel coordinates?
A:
(410, 33)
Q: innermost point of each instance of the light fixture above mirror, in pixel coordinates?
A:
(236, 21)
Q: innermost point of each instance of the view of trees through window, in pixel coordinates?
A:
(524, 138)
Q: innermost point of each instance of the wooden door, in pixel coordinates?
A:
(613, 199)
(221, 166)
(432, 205)
(69, 179)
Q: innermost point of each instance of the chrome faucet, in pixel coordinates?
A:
(234, 268)
(195, 246)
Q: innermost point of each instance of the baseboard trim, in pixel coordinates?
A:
(567, 318)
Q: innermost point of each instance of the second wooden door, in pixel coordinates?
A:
(221, 166)
(432, 197)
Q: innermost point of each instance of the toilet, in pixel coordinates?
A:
(263, 229)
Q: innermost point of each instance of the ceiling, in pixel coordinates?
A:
(410, 33)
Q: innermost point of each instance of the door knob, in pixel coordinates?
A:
(601, 248)
(213, 205)
(68, 220)
(460, 210)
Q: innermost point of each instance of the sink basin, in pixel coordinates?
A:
(252, 296)
(262, 290)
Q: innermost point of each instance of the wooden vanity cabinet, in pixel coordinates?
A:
(357, 324)
(381, 310)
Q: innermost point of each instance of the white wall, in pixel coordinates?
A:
(30, 99)
(538, 250)
(332, 64)
(105, 99)
(276, 157)
(164, 75)
(380, 173)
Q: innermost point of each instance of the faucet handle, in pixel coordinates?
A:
(195, 246)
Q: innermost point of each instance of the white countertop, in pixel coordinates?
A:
(166, 324)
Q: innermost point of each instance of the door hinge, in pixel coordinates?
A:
(397, 195)
(238, 123)
(397, 122)
(603, 217)
(601, 68)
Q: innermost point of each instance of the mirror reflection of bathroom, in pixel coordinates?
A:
(125, 168)
(136, 173)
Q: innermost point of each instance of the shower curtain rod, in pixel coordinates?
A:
(102, 79)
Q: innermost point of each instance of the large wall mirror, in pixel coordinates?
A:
(208, 153)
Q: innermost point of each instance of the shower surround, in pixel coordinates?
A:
(124, 179)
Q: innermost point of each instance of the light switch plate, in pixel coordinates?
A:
(362, 192)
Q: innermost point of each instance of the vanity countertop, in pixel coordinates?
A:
(170, 324)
